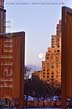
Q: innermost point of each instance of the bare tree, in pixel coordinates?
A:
(27, 72)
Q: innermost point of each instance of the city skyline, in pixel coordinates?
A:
(39, 23)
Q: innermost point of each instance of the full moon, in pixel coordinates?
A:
(40, 55)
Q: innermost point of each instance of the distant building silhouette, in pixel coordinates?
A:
(2, 17)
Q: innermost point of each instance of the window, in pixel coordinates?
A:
(47, 69)
(52, 66)
(52, 76)
(43, 76)
(47, 57)
(48, 73)
(43, 69)
(58, 50)
(43, 73)
(47, 76)
(52, 79)
(52, 73)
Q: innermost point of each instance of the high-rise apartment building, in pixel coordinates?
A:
(51, 67)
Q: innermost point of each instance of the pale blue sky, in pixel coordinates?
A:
(38, 21)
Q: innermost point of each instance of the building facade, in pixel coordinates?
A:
(37, 74)
(51, 67)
